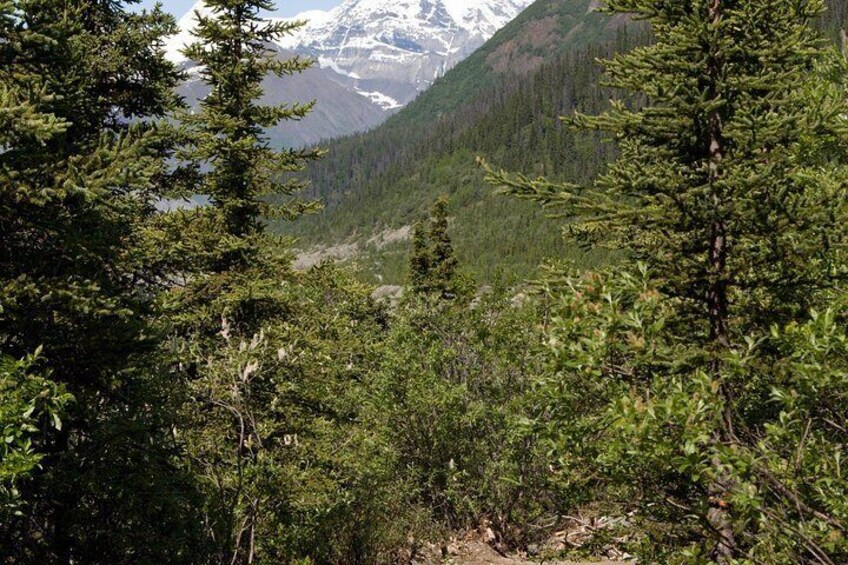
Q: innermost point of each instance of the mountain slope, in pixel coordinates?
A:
(501, 103)
(541, 32)
(341, 111)
(386, 179)
(518, 50)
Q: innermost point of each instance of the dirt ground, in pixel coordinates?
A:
(478, 553)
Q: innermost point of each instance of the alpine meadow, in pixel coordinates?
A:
(424, 282)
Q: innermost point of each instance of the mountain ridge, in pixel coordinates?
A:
(386, 51)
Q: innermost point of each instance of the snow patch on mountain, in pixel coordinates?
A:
(326, 63)
(384, 101)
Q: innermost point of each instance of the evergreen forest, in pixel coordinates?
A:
(617, 330)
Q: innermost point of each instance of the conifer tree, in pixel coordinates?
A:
(78, 187)
(241, 316)
(234, 53)
(444, 261)
(732, 191)
(433, 263)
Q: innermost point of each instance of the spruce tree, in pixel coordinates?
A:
(433, 265)
(444, 261)
(234, 52)
(273, 359)
(79, 179)
(730, 190)
(241, 316)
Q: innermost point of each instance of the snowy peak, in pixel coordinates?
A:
(485, 17)
(399, 47)
(175, 44)
(387, 51)
(481, 18)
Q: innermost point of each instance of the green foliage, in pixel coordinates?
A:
(30, 406)
(419, 257)
(274, 360)
(447, 398)
(731, 190)
(81, 169)
(227, 133)
(200, 401)
(624, 397)
(269, 410)
(433, 266)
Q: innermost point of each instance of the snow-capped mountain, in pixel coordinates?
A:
(383, 51)
(394, 49)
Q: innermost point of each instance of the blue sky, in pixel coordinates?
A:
(286, 7)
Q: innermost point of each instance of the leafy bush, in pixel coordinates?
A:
(448, 398)
(629, 414)
(31, 407)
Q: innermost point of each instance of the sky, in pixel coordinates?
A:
(286, 7)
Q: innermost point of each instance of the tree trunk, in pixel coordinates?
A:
(718, 516)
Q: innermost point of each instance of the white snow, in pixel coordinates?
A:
(400, 41)
(176, 43)
(384, 101)
(327, 63)
(382, 29)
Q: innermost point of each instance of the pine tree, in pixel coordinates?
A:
(79, 177)
(730, 189)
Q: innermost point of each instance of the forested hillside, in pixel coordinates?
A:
(385, 180)
(502, 104)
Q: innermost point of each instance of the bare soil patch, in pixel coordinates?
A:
(479, 553)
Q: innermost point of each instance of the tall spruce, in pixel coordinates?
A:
(234, 52)
(243, 289)
(433, 264)
(80, 172)
(730, 189)
(444, 261)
